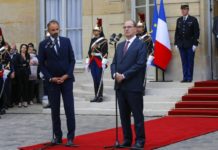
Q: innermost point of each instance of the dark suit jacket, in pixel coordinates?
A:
(132, 65)
(188, 35)
(215, 26)
(53, 64)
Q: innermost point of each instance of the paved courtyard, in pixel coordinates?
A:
(30, 126)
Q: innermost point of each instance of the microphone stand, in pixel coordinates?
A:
(116, 144)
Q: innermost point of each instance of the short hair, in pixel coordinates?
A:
(133, 22)
(51, 22)
(31, 45)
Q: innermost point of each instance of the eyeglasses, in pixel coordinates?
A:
(127, 27)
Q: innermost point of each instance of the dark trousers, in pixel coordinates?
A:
(131, 102)
(187, 58)
(31, 90)
(14, 90)
(96, 75)
(23, 79)
(8, 90)
(1, 96)
(54, 93)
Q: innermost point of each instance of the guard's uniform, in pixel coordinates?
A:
(98, 51)
(186, 38)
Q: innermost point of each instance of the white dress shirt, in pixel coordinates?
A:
(53, 40)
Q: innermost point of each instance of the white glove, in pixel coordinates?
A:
(176, 48)
(104, 63)
(194, 48)
(87, 65)
(103, 67)
(150, 60)
(217, 36)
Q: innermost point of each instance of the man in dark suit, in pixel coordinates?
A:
(128, 69)
(186, 40)
(56, 58)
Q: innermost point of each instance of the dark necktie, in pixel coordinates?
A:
(125, 48)
(57, 45)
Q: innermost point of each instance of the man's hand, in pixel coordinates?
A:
(119, 77)
(217, 36)
(55, 80)
(62, 79)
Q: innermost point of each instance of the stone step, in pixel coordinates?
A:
(108, 108)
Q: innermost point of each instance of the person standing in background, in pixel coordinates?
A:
(97, 60)
(22, 72)
(186, 40)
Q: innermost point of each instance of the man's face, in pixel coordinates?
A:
(54, 30)
(140, 29)
(129, 29)
(96, 33)
(185, 12)
(30, 49)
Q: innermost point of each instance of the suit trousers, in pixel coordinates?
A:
(131, 102)
(187, 58)
(54, 93)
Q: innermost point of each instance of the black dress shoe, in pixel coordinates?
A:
(3, 111)
(100, 99)
(69, 143)
(183, 81)
(94, 100)
(47, 106)
(126, 143)
(56, 141)
(138, 146)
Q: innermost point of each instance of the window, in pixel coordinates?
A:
(143, 6)
(69, 14)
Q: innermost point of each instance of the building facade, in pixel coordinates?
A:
(24, 21)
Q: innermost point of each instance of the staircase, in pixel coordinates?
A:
(160, 96)
(201, 101)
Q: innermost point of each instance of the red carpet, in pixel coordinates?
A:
(201, 100)
(159, 133)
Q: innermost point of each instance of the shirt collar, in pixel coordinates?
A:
(132, 39)
(52, 39)
(185, 17)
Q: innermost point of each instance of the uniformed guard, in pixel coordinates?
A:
(97, 59)
(186, 40)
(2, 49)
(142, 33)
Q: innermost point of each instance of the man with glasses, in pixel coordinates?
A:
(128, 69)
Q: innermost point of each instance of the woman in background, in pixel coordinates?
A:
(22, 72)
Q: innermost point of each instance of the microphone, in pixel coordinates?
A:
(49, 44)
(112, 38)
(118, 37)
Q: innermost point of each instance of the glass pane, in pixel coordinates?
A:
(151, 2)
(140, 10)
(74, 14)
(140, 2)
(76, 41)
(52, 10)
